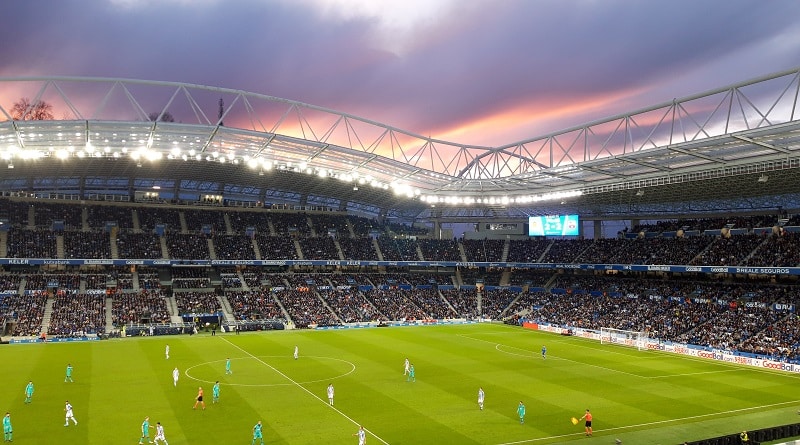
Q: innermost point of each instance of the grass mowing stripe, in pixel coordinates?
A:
(302, 387)
(659, 422)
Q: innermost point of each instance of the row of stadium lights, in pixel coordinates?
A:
(262, 164)
(498, 200)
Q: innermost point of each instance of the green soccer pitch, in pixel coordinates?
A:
(639, 397)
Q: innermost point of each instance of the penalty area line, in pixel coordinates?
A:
(658, 422)
(295, 383)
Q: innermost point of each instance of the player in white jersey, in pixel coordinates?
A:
(160, 434)
(330, 394)
(166, 352)
(362, 436)
(69, 415)
(481, 396)
(175, 375)
(406, 366)
(296, 352)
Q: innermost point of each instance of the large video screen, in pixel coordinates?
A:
(555, 225)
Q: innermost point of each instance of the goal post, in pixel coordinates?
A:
(632, 339)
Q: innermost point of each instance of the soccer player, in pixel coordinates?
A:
(228, 366)
(29, 392)
(330, 394)
(175, 375)
(411, 375)
(145, 431)
(481, 396)
(160, 434)
(296, 352)
(257, 434)
(544, 352)
(521, 412)
(362, 435)
(406, 364)
(588, 424)
(69, 415)
(215, 392)
(68, 376)
(8, 432)
(198, 400)
(166, 352)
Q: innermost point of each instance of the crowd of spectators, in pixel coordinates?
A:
(486, 250)
(190, 278)
(394, 304)
(439, 249)
(254, 306)
(198, 220)
(10, 281)
(95, 244)
(233, 247)
(724, 315)
(98, 215)
(188, 246)
(290, 223)
(319, 248)
(23, 243)
(27, 311)
(350, 306)
(526, 251)
(325, 224)
(47, 212)
(361, 249)
(150, 217)
(139, 307)
(143, 246)
(305, 307)
(77, 314)
(398, 249)
(276, 247)
(197, 303)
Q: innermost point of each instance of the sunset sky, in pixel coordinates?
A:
(470, 71)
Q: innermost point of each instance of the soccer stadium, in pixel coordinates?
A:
(640, 268)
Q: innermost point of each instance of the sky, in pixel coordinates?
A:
(477, 72)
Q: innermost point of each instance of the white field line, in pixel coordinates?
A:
(304, 389)
(659, 354)
(659, 422)
(497, 346)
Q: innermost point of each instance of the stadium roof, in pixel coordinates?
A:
(733, 148)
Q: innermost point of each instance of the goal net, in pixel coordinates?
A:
(633, 339)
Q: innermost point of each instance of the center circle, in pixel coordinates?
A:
(271, 370)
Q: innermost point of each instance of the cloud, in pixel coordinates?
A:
(482, 72)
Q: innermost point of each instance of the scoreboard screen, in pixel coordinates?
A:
(555, 225)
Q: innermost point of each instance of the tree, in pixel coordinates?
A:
(166, 117)
(24, 110)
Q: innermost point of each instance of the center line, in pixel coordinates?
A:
(304, 389)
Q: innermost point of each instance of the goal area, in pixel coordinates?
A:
(632, 339)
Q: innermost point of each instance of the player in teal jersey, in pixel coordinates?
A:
(8, 432)
(145, 431)
(521, 412)
(29, 392)
(68, 376)
(228, 366)
(257, 434)
(215, 393)
(412, 376)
